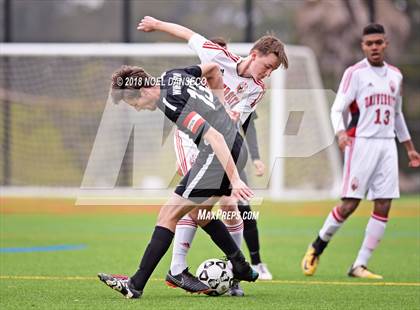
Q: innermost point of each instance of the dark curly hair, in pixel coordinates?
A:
(127, 81)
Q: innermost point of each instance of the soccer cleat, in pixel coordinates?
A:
(262, 269)
(121, 285)
(241, 269)
(310, 262)
(186, 281)
(362, 272)
(248, 274)
(120, 276)
(236, 290)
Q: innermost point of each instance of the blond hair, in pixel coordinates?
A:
(269, 44)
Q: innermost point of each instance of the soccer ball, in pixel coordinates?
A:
(216, 274)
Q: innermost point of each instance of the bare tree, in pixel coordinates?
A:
(332, 28)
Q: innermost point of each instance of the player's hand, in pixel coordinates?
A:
(241, 191)
(259, 167)
(147, 24)
(234, 116)
(414, 158)
(343, 140)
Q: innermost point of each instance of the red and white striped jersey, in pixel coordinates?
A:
(241, 94)
(368, 102)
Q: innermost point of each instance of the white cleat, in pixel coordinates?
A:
(362, 272)
(262, 269)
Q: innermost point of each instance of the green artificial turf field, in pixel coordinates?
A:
(112, 239)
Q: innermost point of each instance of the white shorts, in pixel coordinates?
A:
(186, 151)
(371, 166)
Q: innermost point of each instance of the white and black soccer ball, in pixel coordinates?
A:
(216, 274)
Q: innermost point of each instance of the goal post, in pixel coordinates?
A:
(301, 137)
(58, 100)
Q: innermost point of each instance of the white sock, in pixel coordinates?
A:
(331, 225)
(237, 232)
(374, 231)
(184, 235)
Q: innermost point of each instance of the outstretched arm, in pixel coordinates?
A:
(149, 24)
(206, 51)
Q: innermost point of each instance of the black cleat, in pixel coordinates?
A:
(121, 285)
(186, 281)
(241, 269)
(249, 275)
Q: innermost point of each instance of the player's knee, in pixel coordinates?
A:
(345, 211)
(383, 203)
(234, 221)
(229, 207)
(202, 223)
(347, 207)
(166, 218)
(201, 216)
(228, 203)
(382, 207)
(171, 213)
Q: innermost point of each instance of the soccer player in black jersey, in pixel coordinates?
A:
(199, 112)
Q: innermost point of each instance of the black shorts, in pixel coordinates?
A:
(207, 178)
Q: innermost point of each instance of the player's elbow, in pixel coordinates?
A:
(212, 135)
(211, 70)
(214, 66)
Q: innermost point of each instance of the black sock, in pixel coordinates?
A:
(251, 235)
(319, 245)
(221, 237)
(159, 244)
(239, 264)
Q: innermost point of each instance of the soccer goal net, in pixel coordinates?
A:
(59, 132)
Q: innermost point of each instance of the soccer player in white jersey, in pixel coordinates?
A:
(366, 116)
(243, 91)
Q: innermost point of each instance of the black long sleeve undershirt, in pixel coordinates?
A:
(251, 136)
